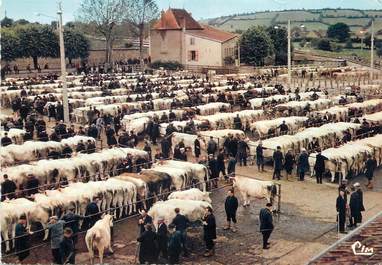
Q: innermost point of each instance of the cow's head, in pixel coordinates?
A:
(108, 219)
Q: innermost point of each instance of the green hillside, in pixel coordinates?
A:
(316, 22)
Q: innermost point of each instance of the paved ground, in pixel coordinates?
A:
(305, 227)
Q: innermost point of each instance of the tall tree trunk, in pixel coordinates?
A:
(141, 36)
(35, 62)
(108, 50)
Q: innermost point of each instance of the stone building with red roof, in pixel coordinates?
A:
(176, 36)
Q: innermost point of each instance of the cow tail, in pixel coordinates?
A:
(89, 243)
(273, 191)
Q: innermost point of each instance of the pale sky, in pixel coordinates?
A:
(28, 9)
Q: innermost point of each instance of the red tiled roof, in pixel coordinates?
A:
(175, 19)
(212, 34)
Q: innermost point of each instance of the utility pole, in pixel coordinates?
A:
(289, 57)
(65, 102)
(372, 50)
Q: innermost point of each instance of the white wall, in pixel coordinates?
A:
(209, 52)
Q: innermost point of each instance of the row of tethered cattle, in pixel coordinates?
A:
(123, 191)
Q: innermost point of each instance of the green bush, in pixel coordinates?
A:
(324, 44)
(349, 44)
(167, 65)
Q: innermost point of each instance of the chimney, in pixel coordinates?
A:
(190, 14)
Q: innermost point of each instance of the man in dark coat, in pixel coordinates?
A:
(220, 163)
(319, 166)
(72, 221)
(154, 134)
(92, 214)
(197, 148)
(209, 228)
(6, 140)
(231, 167)
(214, 170)
(283, 128)
(174, 244)
(148, 250)
(91, 148)
(266, 224)
(8, 188)
(22, 238)
(242, 148)
(278, 159)
(371, 165)
(110, 136)
(211, 146)
(67, 249)
(289, 163)
(165, 146)
(93, 131)
(260, 157)
(231, 204)
(181, 222)
(162, 236)
(237, 123)
(143, 220)
(80, 147)
(356, 206)
(303, 164)
(32, 185)
(341, 210)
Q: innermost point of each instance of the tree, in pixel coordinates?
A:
(142, 12)
(349, 44)
(104, 15)
(279, 38)
(21, 22)
(339, 31)
(76, 45)
(10, 45)
(324, 44)
(37, 41)
(255, 45)
(6, 22)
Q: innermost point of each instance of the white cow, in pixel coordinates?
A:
(249, 187)
(191, 194)
(99, 237)
(193, 210)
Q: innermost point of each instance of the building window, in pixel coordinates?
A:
(192, 41)
(193, 56)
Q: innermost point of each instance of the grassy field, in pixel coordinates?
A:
(314, 20)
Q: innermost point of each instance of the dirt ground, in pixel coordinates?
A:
(306, 226)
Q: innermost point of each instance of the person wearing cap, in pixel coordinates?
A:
(22, 239)
(174, 244)
(67, 249)
(356, 205)
(302, 164)
(162, 237)
(209, 229)
(148, 251)
(56, 231)
(260, 157)
(143, 220)
(319, 166)
(278, 159)
(266, 224)
(341, 211)
(371, 165)
(8, 188)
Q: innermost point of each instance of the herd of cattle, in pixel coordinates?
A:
(130, 191)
